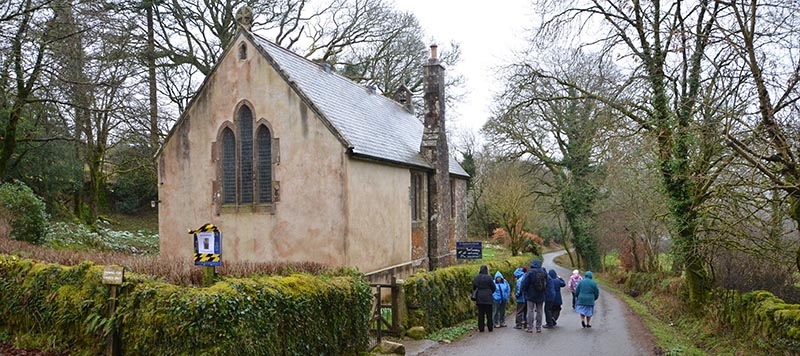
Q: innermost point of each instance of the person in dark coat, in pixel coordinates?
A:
(484, 285)
(588, 293)
(552, 300)
(534, 295)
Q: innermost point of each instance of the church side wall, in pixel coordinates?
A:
(380, 215)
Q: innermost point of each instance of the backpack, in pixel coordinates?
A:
(539, 281)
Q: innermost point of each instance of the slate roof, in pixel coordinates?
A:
(373, 125)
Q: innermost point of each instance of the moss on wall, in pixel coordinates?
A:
(65, 308)
(762, 314)
(757, 315)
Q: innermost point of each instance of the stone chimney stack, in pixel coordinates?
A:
(403, 96)
(434, 148)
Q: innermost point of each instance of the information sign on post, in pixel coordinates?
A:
(207, 250)
(469, 250)
(207, 246)
(113, 275)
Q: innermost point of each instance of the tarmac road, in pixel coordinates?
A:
(615, 332)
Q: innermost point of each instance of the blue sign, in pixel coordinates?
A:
(469, 250)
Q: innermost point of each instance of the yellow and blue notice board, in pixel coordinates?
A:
(207, 246)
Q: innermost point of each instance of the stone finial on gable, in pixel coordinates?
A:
(244, 17)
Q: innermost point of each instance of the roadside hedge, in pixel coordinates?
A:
(65, 308)
(441, 298)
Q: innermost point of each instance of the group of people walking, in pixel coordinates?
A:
(538, 295)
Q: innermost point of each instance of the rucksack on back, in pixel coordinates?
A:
(539, 281)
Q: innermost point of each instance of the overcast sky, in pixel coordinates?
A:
(488, 32)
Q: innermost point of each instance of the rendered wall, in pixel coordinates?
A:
(309, 222)
(379, 214)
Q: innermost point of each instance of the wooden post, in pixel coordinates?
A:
(208, 275)
(395, 304)
(380, 316)
(113, 338)
(113, 276)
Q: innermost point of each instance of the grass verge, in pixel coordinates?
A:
(453, 332)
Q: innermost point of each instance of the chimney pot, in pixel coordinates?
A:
(434, 51)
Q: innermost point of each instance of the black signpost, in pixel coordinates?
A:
(469, 250)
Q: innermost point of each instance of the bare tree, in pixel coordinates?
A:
(667, 46)
(549, 123)
(94, 84)
(510, 201)
(26, 36)
(634, 210)
(764, 36)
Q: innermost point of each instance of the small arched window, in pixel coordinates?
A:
(228, 167)
(264, 164)
(242, 51)
(245, 121)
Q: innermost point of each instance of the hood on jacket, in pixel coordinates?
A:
(519, 272)
(536, 263)
(553, 273)
(498, 274)
(588, 274)
(484, 270)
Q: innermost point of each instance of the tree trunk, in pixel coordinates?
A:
(794, 212)
(10, 137)
(565, 240)
(151, 78)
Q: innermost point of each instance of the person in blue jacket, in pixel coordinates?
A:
(501, 294)
(522, 307)
(588, 293)
(552, 299)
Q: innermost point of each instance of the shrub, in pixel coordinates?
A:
(441, 298)
(297, 314)
(530, 243)
(23, 211)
